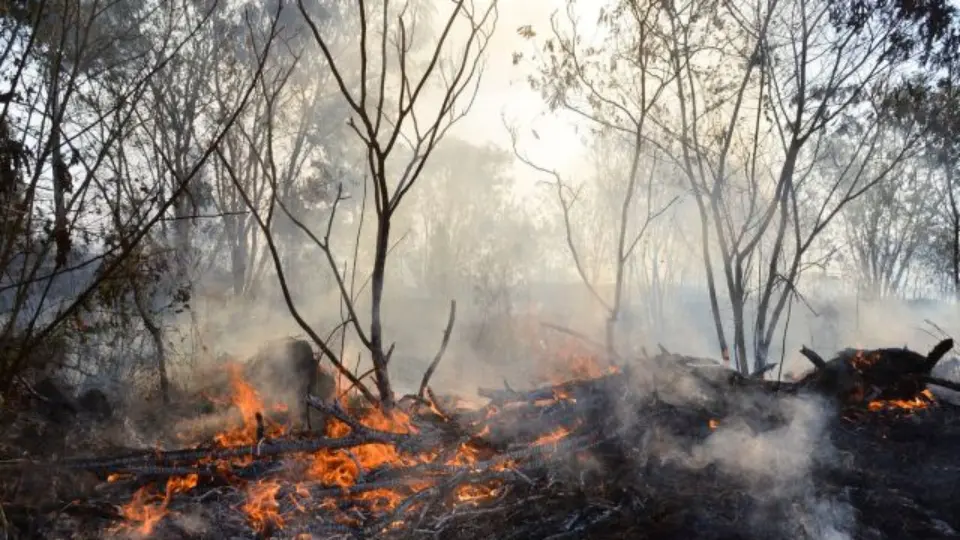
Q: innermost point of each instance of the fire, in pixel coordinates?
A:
(473, 493)
(341, 468)
(247, 400)
(381, 500)
(262, 508)
(572, 359)
(922, 401)
(331, 468)
(148, 507)
(552, 437)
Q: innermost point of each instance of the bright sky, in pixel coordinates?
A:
(504, 92)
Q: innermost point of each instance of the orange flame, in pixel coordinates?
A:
(262, 508)
(552, 437)
(341, 468)
(922, 401)
(247, 400)
(473, 493)
(148, 507)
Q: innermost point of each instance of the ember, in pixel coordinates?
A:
(922, 401)
(539, 462)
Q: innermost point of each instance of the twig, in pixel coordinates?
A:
(443, 347)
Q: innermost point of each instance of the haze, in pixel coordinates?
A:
(570, 194)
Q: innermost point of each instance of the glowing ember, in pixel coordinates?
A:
(381, 500)
(552, 437)
(922, 401)
(472, 493)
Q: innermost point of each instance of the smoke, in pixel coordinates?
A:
(775, 466)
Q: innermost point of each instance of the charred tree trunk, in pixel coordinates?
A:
(377, 352)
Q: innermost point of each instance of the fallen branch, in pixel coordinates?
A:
(938, 352)
(949, 385)
(262, 450)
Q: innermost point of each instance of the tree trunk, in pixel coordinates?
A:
(376, 325)
(156, 334)
(955, 232)
(61, 175)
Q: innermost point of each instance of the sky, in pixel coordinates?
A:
(504, 92)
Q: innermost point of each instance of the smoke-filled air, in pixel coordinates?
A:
(375, 267)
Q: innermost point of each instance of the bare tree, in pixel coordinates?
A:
(887, 228)
(96, 65)
(583, 78)
(749, 140)
(399, 123)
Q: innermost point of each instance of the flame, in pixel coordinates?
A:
(473, 493)
(922, 401)
(148, 507)
(247, 400)
(262, 508)
(713, 423)
(571, 359)
(552, 437)
(336, 468)
(381, 500)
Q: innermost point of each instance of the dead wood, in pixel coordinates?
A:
(949, 385)
(816, 359)
(859, 376)
(262, 450)
(592, 458)
(443, 347)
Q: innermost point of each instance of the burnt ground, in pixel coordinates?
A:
(904, 474)
(633, 465)
(875, 475)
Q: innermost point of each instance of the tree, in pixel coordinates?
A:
(888, 226)
(764, 130)
(398, 136)
(936, 107)
(80, 76)
(470, 235)
(618, 86)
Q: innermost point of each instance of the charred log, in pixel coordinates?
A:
(858, 376)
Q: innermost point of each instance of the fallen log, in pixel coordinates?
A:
(262, 450)
(857, 376)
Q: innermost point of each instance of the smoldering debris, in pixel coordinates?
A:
(658, 448)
